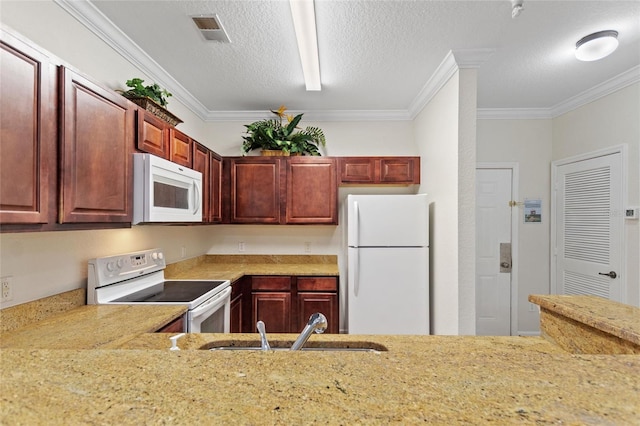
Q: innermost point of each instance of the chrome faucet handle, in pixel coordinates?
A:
(317, 324)
(264, 344)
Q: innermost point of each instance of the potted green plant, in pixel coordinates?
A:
(282, 135)
(152, 98)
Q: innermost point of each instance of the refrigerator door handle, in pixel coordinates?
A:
(356, 272)
(356, 224)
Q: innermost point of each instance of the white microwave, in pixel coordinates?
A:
(164, 191)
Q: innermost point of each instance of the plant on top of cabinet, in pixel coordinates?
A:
(277, 135)
(152, 98)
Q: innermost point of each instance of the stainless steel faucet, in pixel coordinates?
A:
(317, 323)
(264, 344)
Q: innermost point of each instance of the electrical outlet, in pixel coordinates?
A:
(183, 252)
(241, 246)
(307, 247)
(7, 292)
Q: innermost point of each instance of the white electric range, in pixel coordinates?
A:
(138, 278)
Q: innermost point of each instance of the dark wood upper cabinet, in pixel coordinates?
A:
(180, 148)
(357, 170)
(312, 191)
(153, 134)
(283, 190)
(254, 190)
(96, 145)
(379, 170)
(201, 163)
(404, 170)
(215, 188)
(28, 123)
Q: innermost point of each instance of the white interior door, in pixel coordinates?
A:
(588, 234)
(493, 228)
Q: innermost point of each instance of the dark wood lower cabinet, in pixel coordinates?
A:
(274, 309)
(285, 303)
(325, 303)
(175, 326)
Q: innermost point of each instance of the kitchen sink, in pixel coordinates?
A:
(283, 345)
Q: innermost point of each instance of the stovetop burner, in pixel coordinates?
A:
(172, 291)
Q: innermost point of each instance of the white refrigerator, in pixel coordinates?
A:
(388, 264)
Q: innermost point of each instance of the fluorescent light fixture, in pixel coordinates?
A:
(304, 22)
(597, 45)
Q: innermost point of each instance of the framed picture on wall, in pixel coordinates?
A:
(532, 211)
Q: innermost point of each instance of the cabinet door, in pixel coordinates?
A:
(318, 294)
(215, 188)
(236, 314)
(97, 143)
(28, 123)
(255, 190)
(379, 170)
(357, 170)
(404, 170)
(153, 135)
(180, 148)
(274, 309)
(201, 164)
(311, 191)
(310, 303)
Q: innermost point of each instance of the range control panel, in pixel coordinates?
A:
(112, 269)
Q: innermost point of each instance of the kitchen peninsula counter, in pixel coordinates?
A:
(433, 379)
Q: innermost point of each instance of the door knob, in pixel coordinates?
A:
(611, 274)
(505, 264)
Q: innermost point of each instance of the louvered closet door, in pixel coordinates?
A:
(589, 227)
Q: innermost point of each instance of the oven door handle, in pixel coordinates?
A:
(212, 304)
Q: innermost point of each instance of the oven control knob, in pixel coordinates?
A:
(120, 263)
(110, 266)
(154, 255)
(160, 256)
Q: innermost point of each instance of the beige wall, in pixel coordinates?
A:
(436, 132)
(445, 133)
(527, 143)
(609, 121)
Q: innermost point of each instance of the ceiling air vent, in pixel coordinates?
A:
(211, 28)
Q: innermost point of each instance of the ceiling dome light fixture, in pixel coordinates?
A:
(597, 45)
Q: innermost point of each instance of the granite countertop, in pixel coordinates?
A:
(432, 379)
(92, 326)
(233, 267)
(611, 317)
(102, 365)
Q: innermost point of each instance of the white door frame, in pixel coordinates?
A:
(515, 184)
(622, 150)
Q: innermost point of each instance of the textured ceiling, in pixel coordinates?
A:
(377, 55)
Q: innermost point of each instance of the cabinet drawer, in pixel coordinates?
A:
(317, 284)
(271, 283)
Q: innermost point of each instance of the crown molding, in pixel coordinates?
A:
(471, 58)
(513, 113)
(452, 62)
(87, 14)
(92, 18)
(614, 84)
(333, 115)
